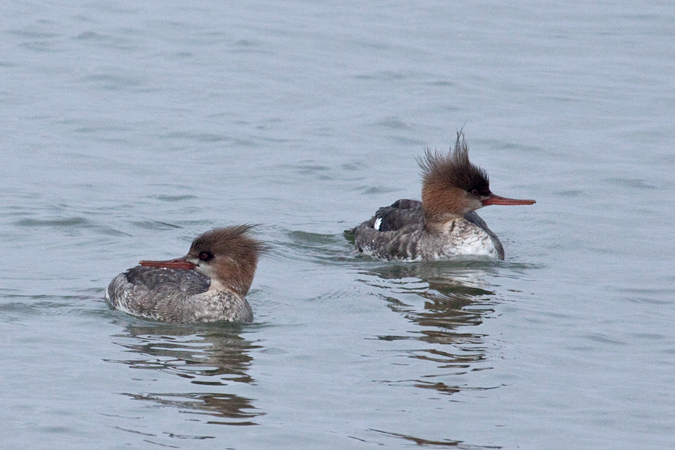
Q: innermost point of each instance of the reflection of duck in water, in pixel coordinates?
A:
(453, 293)
(444, 224)
(444, 303)
(209, 284)
(207, 361)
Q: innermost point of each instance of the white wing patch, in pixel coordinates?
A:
(378, 224)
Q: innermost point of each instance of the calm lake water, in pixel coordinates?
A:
(129, 128)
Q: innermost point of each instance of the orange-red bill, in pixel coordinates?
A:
(497, 200)
(178, 263)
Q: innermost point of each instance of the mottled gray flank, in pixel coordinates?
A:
(175, 296)
(224, 262)
(403, 235)
(130, 127)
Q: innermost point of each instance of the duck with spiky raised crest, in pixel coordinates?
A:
(444, 224)
(209, 284)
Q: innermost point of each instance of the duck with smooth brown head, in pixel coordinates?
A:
(444, 224)
(209, 284)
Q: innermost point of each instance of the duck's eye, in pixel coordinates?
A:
(206, 256)
(475, 192)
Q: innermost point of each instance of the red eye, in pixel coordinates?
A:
(206, 256)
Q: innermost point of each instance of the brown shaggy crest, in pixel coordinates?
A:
(230, 241)
(454, 170)
(236, 252)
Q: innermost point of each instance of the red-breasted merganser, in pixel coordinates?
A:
(444, 224)
(209, 284)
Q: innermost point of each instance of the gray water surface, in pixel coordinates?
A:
(130, 128)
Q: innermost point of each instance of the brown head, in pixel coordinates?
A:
(452, 186)
(228, 256)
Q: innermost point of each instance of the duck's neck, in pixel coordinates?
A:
(441, 204)
(444, 226)
(439, 222)
(218, 286)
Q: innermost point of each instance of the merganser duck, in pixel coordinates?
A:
(444, 224)
(209, 284)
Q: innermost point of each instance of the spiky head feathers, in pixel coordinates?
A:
(227, 255)
(452, 186)
(454, 170)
